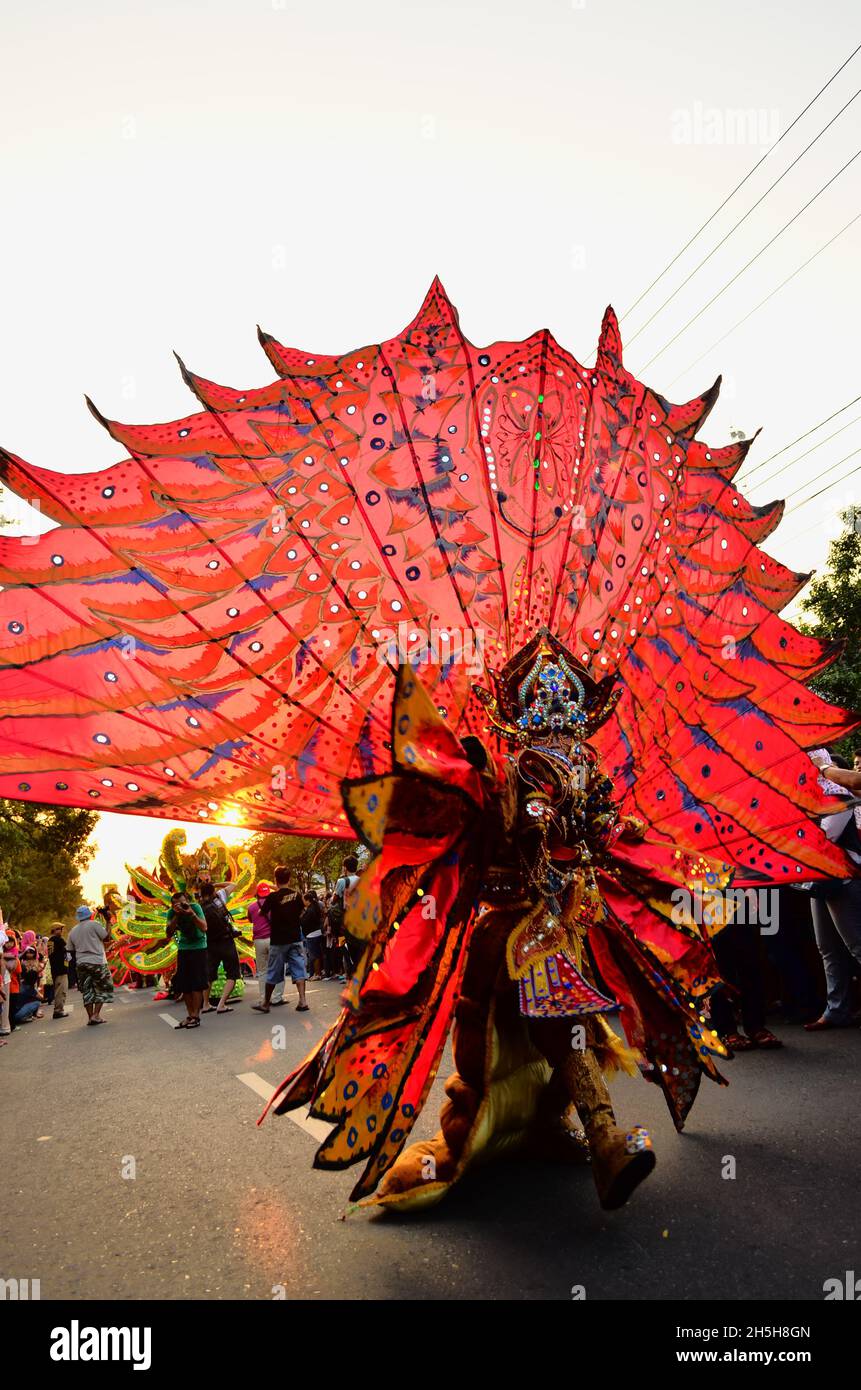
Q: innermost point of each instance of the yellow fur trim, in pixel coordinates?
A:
(612, 1054)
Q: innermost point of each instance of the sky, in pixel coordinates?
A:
(174, 174)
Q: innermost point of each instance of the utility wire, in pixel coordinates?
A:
(751, 312)
(749, 263)
(762, 482)
(810, 482)
(748, 175)
(742, 219)
(799, 506)
(842, 478)
(807, 433)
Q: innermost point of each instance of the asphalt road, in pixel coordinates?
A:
(218, 1208)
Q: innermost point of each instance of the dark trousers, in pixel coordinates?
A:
(354, 949)
(793, 956)
(737, 951)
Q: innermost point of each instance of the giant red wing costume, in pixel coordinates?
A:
(212, 632)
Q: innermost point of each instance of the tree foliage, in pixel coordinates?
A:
(315, 863)
(42, 852)
(834, 603)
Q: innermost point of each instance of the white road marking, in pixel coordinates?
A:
(316, 1128)
(169, 1018)
(257, 1084)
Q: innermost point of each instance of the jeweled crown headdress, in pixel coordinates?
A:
(543, 694)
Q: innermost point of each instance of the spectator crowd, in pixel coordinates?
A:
(297, 936)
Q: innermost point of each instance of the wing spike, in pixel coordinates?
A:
(9, 465)
(726, 460)
(436, 303)
(735, 455)
(764, 520)
(610, 344)
(97, 414)
(686, 419)
(188, 377)
(273, 350)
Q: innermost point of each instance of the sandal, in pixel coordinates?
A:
(260, 1008)
(737, 1042)
(302, 1008)
(186, 1023)
(765, 1039)
(208, 1010)
(226, 1010)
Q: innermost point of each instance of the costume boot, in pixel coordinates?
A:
(620, 1159)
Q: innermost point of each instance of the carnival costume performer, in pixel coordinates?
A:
(505, 617)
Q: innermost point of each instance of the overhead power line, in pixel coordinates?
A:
(749, 263)
(807, 433)
(841, 479)
(806, 453)
(762, 302)
(740, 185)
(742, 219)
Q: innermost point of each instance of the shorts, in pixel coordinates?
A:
(192, 972)
(95, 984)
(223, 953)
(286, 960)
(313, 948)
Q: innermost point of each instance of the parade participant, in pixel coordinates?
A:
(87, 939)
(47, 978)
(58, 956)
(311, 923)
(220, 942)
(260, 935)
(737, 952)
(21, 1009)
(5, 982)
(284, 910)
(31, 968)
(514, 630)
(836, 905)
(187, 922)
(344, 887)
(30, 979)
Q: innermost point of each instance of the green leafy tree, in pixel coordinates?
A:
(315, 863)
(42, 852)
(834, 604)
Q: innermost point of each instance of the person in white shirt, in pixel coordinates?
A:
(87, 939)
(837, 914)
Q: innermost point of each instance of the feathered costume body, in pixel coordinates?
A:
(139, 931)
(341, 601)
